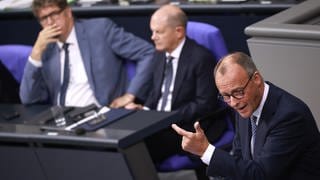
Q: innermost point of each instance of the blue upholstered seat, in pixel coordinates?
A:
(208, 36)
(14, 58)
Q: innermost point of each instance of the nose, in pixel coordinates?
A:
(49, 20)
(233, 102)
(153, 36)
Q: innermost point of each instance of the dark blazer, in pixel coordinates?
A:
(104, 48)
(287, 143)
(194, 93)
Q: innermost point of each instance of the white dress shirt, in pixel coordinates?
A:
(176, 55)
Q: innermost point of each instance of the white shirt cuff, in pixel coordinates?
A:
(146, 108)
(34, 62)
(207, 155)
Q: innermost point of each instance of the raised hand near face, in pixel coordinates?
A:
(47, 35)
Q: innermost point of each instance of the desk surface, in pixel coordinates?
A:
(114, 152)
(121, 133)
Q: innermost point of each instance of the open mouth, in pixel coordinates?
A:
(241, 108)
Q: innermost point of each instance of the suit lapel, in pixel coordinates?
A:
(54, 66)
(84, 46)
(182, 69)
(159, 75)
(244, 132)
(264, 123)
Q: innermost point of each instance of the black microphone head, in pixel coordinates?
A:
(80, 131)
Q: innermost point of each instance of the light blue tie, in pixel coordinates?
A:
(253, 120)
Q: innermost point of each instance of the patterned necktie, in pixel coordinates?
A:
(167, 81)
(253, 120)
(66, 75)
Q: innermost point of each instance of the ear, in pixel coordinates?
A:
(257, 78)
(180, 30)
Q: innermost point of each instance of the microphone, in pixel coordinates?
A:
(80, 131)
(98, 114)
(77, 131)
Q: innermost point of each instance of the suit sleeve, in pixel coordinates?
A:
(155, 82)
(133, 48)
(32, 88)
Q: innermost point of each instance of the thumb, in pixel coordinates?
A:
(197, 127)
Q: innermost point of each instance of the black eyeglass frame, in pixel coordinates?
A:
(237, 94)
(53, 15)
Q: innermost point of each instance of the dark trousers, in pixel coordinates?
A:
(164, 144)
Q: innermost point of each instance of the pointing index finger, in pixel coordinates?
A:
(181, 131)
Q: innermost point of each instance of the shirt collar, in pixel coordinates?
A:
(71, 39)
(258, 111)
(176, 52)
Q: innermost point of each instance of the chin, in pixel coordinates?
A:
(245, 114)
(159, 48)
(59, 37)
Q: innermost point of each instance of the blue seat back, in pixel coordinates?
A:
(208, 36)
(14, 58)
(131, 69)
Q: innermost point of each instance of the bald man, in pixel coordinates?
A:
(192, 91)
(276, 135)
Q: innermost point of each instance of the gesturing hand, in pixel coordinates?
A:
(195, 143)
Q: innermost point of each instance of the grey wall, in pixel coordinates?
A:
(292, 65)
(286, 49)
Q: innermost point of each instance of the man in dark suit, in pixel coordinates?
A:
(276, 134)
(97, 50)
(192, 67)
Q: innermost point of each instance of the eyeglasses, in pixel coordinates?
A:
(237, 94)
(53, 15)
